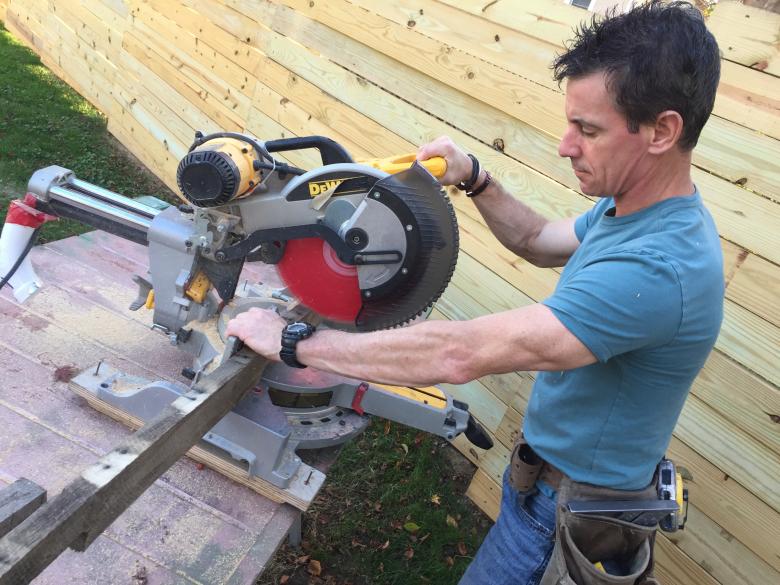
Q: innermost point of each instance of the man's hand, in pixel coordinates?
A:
(458, 163)
(260, 329)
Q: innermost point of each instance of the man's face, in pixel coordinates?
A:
(606, 158)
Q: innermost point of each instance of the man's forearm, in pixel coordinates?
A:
(516, 225)
(429, 353)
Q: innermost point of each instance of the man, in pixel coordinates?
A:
(638, 306)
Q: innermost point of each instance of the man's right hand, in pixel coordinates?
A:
(458, 162)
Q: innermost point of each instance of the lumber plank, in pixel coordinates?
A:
(734, 392)
(750, 98)
(746, 96)
(746, 157)
(756, 287)
(158, 96)
(750, 340)
(17, 502)
(747, 35)
(723, 556)
(104, 490)
(193, 84)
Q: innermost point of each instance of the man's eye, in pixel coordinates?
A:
(588, 132)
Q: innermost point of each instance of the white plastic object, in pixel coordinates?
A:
(13, 241)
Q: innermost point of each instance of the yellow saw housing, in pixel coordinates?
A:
(218, 171)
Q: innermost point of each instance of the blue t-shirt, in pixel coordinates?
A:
(644, 292)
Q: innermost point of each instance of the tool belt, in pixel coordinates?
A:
(582, 542)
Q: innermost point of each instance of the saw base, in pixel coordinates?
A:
(254, 445)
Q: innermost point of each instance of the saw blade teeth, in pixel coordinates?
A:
(439, 248)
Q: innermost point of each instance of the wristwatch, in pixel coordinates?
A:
(291, 335)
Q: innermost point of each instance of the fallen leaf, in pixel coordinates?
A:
(385, 545)
(405, 447)
(411, 527)
(424, 538)
(355, 543)
(418, 438)
(314, 568)
(387, 427)
(435, 499)
(461, 549)
(450, 561)
(451, 521)
(283, 579)
(377, 507)
(409, 554)
(302, 560)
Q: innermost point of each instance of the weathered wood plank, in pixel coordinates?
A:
(104, 490)
(17, 502)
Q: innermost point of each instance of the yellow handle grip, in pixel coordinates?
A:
(437, 165)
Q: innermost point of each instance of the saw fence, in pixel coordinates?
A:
(383, 77)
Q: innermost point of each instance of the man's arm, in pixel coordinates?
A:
(518, 227)
(530, 338)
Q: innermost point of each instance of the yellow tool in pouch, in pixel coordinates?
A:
(437, 165)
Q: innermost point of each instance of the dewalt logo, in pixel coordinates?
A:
(319, 187)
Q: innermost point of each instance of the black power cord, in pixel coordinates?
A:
(21, 258)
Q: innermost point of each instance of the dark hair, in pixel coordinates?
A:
(656, 57)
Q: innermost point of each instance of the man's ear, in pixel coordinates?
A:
(666, 132)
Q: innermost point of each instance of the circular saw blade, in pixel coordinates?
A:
(320, 280)
(315, 275)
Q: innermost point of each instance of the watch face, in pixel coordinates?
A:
(297, 328)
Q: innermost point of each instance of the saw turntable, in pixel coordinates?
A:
(358, 247)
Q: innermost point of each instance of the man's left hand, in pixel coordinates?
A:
(260, 329)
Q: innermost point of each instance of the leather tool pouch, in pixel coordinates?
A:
(582, 540)
(524, 466)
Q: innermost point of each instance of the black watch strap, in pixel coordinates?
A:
(291, 335)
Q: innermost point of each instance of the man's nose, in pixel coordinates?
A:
(568, 147)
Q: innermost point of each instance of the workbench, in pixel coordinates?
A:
(192, 525)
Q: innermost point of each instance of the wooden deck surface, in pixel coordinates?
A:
(192, 525)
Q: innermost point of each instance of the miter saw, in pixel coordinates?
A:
(364, 246)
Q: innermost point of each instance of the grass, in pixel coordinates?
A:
(44, 122)
(393, 509)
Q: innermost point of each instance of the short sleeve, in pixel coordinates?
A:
(583, 223)
(622, 302)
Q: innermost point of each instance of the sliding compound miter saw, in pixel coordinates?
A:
(362, 246)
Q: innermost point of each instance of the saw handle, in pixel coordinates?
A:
(437, 165)
(331, 152)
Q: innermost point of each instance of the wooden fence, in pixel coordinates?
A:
(383, 77)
